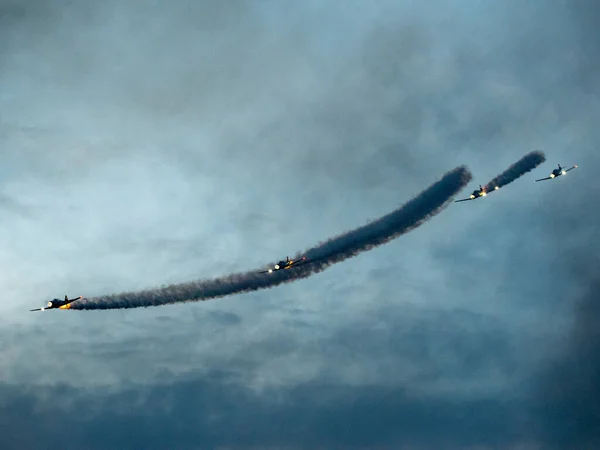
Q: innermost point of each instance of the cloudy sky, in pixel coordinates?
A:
(143, 144)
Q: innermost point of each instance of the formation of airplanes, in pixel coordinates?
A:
(290, 263)
(483, 191)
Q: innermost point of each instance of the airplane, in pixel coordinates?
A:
(60, 304)
(288, 263)
(481, 192)
(557, 173)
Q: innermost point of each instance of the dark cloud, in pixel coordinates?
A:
(568, 405)
(551, 272)
(210, 413)
(354, 105)
(567, 386)
(218, 410)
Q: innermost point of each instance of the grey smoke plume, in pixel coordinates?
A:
(526, 164)
(404, 219)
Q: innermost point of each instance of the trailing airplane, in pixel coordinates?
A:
(58, 304)
(287, 264)
(481, 192)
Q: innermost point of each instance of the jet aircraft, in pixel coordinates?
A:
(557, 173)
(58, 304)
(481, 192)
(287, 264)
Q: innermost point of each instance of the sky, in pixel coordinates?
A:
(145, 143)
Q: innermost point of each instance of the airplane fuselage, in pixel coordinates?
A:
(283, 265)
(557, 173)
(58, 304)
(477, 193)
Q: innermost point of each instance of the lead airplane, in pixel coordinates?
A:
(58, 304)
(557, 173)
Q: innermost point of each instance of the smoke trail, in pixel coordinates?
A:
(527, 163)
(404, 219)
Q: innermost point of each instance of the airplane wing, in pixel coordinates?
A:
(542, 179)
(464, 200)
(574, 167)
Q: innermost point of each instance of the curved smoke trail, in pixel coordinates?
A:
(527, 163)
(404, 219)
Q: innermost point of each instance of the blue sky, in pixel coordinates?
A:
(144, 144)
